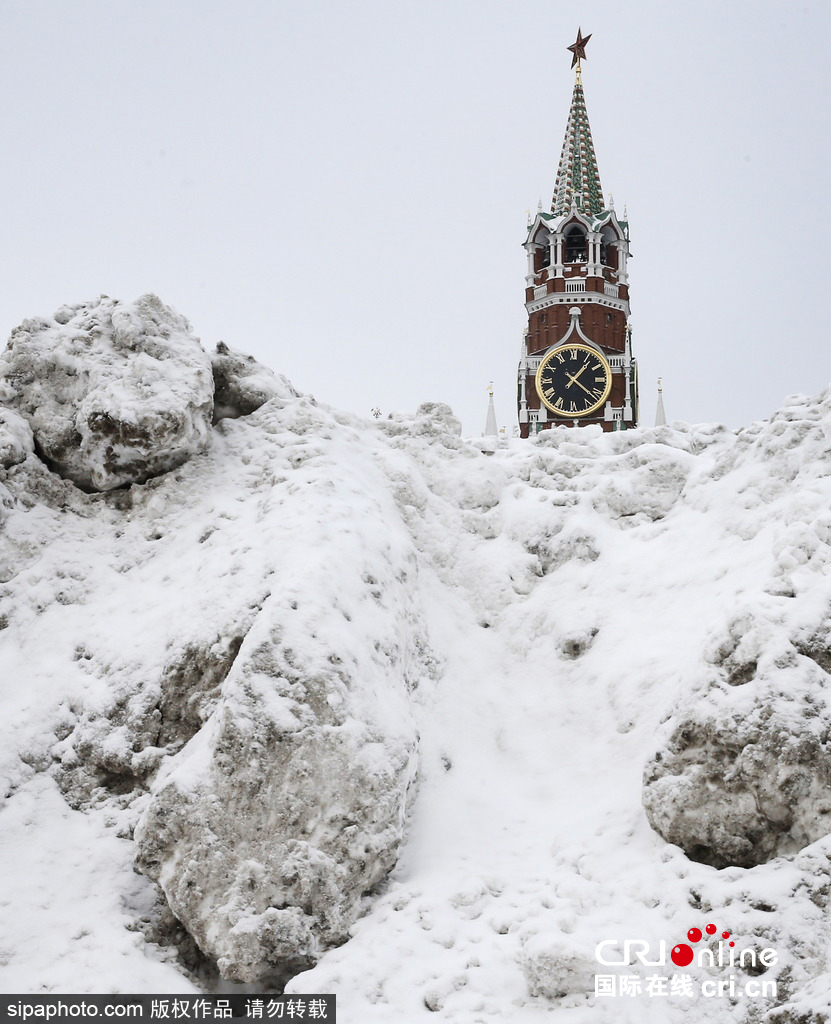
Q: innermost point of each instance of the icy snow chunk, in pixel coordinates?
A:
(436, 418)
(115, 393)
(432, 420)
(16, 440)
(745, 774)
(554, 968)
(269, 826)
(646, 482)
(242, 385)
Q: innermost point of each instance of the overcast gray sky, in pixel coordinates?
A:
(341, 188)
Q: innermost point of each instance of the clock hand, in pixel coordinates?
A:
(574, 380)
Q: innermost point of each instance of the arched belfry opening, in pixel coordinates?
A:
(542, 250)
(608, 248)
(575, 245)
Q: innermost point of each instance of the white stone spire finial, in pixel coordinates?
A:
(491, 429)
(660, 415)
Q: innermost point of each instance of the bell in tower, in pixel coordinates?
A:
(576, 365)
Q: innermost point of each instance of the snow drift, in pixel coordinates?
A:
(415, 723)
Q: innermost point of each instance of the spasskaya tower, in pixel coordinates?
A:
(576, 366)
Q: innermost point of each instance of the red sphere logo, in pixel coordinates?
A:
(694, 935)
(682, 954)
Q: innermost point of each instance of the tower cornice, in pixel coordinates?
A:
(553, 222)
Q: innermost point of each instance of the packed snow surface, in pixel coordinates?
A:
(436, 720)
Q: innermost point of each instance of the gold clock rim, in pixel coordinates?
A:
(593, 408)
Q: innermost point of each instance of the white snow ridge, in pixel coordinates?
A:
(295, 698)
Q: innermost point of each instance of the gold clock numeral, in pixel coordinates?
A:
(572, 353)
(596, 393)
(560, 357)
(559, 403)
(572, 407)
(548, 392)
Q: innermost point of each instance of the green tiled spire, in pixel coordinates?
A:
(577, 176)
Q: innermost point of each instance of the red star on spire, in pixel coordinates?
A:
(579, 47)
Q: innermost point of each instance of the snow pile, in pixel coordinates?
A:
(360, 698)
(114, 392)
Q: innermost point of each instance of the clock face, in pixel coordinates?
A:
(574, 380)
